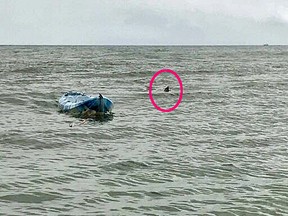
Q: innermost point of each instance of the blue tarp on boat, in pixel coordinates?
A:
(80, 102)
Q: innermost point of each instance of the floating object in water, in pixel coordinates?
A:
(80, 103)
(167, 89)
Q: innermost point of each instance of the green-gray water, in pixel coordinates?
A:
(223, 151)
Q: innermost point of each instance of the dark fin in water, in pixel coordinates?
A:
(167, 89)
(100, 96)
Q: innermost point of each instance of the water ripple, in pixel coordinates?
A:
(223, 151)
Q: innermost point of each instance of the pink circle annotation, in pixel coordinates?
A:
(151, 95)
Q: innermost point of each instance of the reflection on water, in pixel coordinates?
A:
(91, 115)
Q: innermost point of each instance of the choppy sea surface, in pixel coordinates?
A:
(223, 151)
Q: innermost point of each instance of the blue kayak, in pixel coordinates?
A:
(79, 102)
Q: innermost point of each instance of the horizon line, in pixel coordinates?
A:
(265, 44)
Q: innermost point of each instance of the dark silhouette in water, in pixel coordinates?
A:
(167, 89)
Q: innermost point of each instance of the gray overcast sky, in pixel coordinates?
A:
(190, 22)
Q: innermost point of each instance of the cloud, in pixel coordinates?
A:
(144, 22)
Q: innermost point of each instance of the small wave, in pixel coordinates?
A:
(126, 165)
(37, 197)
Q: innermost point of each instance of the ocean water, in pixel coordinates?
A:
(223, 151)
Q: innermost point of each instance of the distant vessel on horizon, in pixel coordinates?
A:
(266, 44)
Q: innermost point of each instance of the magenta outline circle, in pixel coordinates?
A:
(150, 90)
